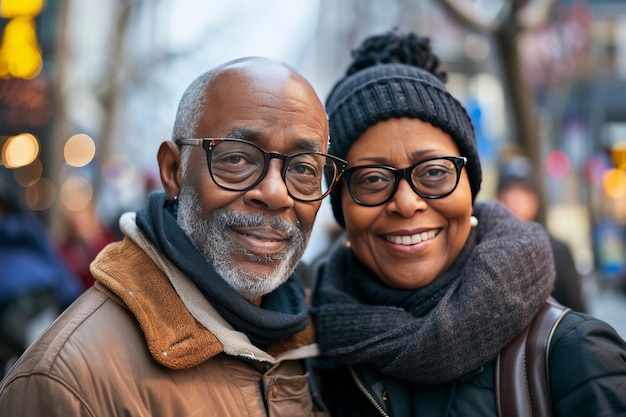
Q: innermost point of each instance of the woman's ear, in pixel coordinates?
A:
(170, 168)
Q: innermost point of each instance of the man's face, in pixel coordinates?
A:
(521, 200)
(253, 238)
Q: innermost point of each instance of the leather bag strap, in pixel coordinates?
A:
(522, 377)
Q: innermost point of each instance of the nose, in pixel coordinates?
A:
(405, 201)
(271, 193)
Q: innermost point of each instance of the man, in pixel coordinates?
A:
(517, 190)
(194, 312)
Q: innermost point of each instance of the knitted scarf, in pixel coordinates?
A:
(450, 327)
(283, 312)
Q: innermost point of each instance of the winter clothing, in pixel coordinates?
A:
(144, 341)
(35, 283)
(284, 311)
(431, 351)
(568, 282)
(591, 390)
(29, 261)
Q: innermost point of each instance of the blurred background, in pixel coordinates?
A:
(89, 89)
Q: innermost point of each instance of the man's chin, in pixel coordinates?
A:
(254, 286)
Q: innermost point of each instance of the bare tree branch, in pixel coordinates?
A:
(476, 21)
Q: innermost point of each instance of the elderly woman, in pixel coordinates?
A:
(428, 286)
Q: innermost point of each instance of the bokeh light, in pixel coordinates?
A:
(79, 150)
(13, 8)
(41, 195)
(20, 150)
(76, 193)
(557, 164)
(20, 54)
(614, 183)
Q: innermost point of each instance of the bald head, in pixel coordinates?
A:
(258, 72)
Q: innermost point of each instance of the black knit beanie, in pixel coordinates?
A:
(393, 90)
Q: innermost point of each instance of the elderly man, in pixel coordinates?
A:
(196, 312)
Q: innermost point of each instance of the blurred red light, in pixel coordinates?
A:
(557, 164)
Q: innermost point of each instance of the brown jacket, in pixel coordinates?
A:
(144, 342)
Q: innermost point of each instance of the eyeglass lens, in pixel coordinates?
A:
(239, 166)
(431, 178)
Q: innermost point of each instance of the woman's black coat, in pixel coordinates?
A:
(587, 363)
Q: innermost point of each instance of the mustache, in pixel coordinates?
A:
(231, 218)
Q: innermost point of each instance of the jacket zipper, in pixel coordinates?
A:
(367, 394)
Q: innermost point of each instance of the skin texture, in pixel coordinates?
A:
(401, 143)
(266, 103)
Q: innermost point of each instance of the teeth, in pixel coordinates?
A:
(413, 239)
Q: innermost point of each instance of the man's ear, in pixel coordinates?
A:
(170, 168)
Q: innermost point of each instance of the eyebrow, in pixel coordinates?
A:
(242, 133)
(300, 144)
(415, 156)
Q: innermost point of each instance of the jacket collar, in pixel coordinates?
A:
(180, 326)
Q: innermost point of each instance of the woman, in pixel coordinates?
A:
(414, 306)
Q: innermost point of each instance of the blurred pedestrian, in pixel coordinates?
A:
(85, 236)
(517, 190)
(35, 283)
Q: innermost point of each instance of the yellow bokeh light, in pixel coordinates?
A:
(76, 193)
(79, 150)
(19, 32)
(20, 150)
(618, 154)
(13, 8)
(20, 54)
(26, 63)
(614, 182)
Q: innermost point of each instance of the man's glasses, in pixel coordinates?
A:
(373, 185)
(239, 165)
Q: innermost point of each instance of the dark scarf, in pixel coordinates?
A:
(450, 327)
(283, 312)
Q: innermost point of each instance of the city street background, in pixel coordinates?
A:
(89, 89)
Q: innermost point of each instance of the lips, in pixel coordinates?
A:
(264, 233)
(412, 239)
(261, 240)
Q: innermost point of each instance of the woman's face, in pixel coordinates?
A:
(444, 223)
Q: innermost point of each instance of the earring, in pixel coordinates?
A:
(473, 221)
(175, 199)
(347, 244)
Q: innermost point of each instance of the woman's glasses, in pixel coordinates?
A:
(373, 185)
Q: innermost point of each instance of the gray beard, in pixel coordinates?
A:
(209, 235)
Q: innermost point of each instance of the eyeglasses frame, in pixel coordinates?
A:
(405, 173)
(208, 144)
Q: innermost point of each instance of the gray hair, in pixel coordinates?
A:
(190, 107)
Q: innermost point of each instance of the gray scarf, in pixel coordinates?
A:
(450, 327)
